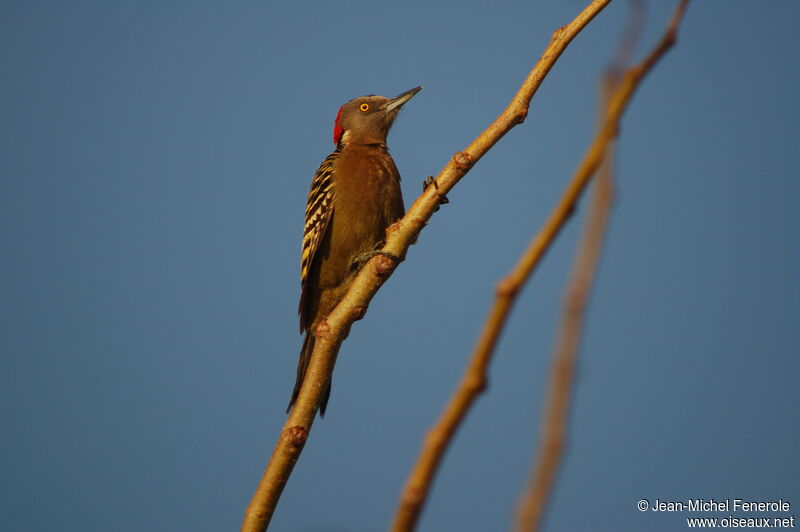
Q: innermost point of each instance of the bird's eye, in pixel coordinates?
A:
(365, 107)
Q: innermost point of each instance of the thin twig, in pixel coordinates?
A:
(474, 379)
(554, 427)
(625, 49)
(335, 328)
(530, 509)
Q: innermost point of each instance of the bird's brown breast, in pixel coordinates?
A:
(367, 199)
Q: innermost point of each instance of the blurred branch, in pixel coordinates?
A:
(625, 49)
(474, 380)
(472, 384)
(554, 427)
(333, 330)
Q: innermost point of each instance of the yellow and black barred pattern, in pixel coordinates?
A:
(319, 210)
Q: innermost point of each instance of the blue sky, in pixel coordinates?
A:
(155, 163)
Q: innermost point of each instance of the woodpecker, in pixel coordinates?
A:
(355, 195)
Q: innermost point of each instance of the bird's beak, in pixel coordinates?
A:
(398, 101)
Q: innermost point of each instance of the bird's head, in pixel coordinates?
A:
(367, 119)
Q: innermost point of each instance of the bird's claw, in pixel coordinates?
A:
(364, 257)
(442, 198)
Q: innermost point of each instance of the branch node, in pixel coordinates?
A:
(571, 209)
(507, 287)
(435, 438)
(384, 266)
(462, 160)
(296, 436)
(421, 221)
(395, 227)
(359, 312)
(323, 329)
(558, 33)
(574, 302)
(412, 497)
(477, 384)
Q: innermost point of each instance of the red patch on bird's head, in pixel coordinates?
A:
(337, 127)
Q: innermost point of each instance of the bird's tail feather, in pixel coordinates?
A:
(302, 367)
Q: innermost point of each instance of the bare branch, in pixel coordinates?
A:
(474, 378)
(554, 426)
(626, 46)
(333, 330)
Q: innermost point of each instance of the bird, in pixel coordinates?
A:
(354, 196)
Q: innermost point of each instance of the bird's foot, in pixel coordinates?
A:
(442, 198)
(364, 257)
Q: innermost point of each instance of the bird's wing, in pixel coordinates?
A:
(319, 211)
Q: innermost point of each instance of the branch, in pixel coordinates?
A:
(332, 331)
(532, 503)
(474, 379)
(554, 428)
(625, 49)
